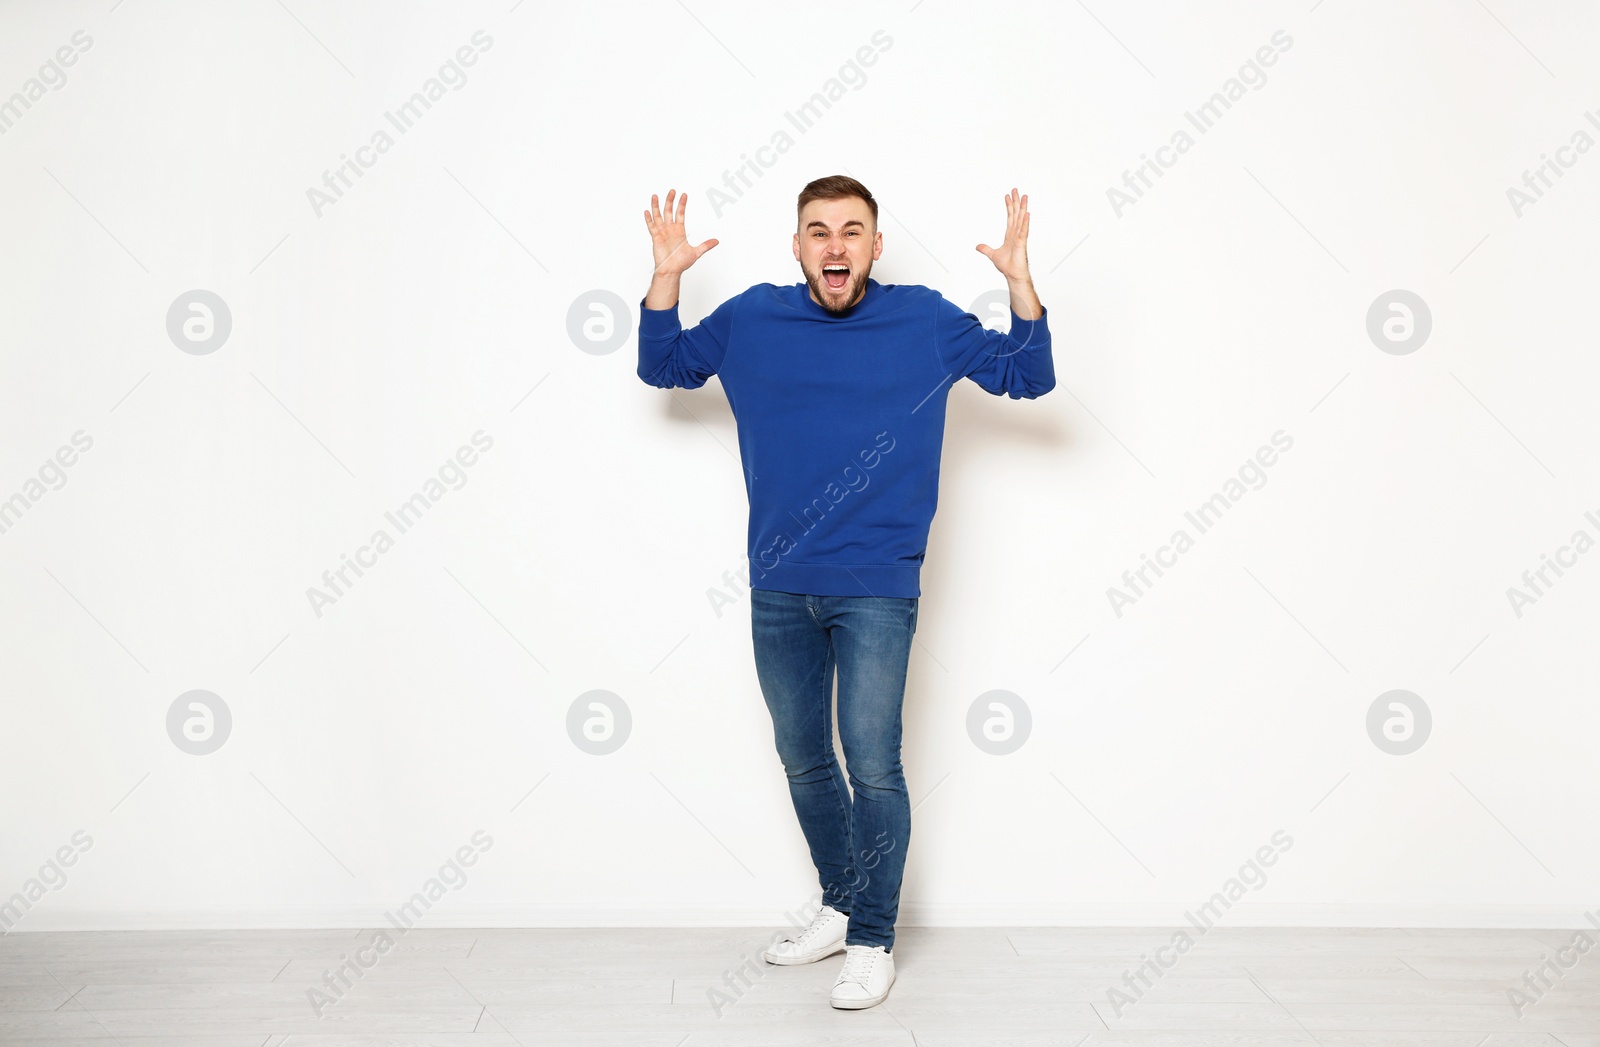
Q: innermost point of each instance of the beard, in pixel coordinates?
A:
(838, 302)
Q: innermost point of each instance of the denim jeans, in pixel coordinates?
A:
(857, 837)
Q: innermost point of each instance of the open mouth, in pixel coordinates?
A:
(836, 276)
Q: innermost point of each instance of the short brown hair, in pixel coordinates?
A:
(835, 187)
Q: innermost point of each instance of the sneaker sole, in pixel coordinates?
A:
(792, 961)
(856, 1005)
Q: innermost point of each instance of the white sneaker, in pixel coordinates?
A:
(823, 937)
(868, 972)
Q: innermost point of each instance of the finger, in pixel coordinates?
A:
(682, 202)
(672, 194)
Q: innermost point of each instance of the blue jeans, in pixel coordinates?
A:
(858, 842)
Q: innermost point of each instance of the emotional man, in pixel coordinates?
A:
(838, 387)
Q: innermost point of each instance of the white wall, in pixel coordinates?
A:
(373, 338)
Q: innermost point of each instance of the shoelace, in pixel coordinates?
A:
(859, 961)
(811, 931)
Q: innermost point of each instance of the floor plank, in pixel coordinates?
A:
(574, 987)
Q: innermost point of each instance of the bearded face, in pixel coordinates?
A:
(836, 246)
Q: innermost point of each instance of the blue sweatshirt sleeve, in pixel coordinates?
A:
(1017, 363)
(671, 357)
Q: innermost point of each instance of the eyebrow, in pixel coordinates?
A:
(816, 222)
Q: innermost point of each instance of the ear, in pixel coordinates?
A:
(797, 247)
(877, 245)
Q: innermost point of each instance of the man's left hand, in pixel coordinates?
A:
(1011, 257)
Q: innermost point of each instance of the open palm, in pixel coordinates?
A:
(671, 245)
(1011, 257)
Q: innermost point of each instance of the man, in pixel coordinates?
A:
(838, 388)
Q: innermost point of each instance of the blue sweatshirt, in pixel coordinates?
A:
(841, 419)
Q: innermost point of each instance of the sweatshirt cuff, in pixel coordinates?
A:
(1021, 326)
(658, 321)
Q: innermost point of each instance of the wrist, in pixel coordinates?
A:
(663, 292)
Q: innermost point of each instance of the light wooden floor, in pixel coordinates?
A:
(1239, 987)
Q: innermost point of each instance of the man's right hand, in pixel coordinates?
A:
(672, 251)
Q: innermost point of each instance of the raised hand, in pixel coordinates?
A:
(1011, 257)
(672, 250)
